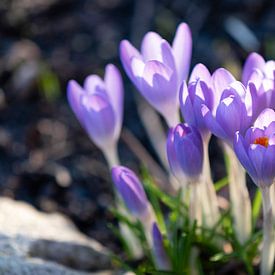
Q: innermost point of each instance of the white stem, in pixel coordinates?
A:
(147, 220)
(268, 251)
(209, 198)
(173, 120)
(111, 155)
(132, 241)
(195, 203)
(239, 197)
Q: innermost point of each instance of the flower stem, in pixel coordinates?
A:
(268, 251)
(239, 197)
(173, 120)
(195, 203)
(111, 156)
(210, 200)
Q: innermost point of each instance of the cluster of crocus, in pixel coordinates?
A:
(237, 112)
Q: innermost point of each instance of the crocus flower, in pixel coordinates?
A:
(256, 149)
(256, 152)
(233, 112)
(185, 152)
(98, 105)
(161, 259)
(255, 63)
(131, 190)
(260, 76)
(159, 69)
(202, 89)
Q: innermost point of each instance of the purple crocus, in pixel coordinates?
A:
(185, 152)
(260, 76)
(256, 149)
(161, 259)
(256, 152)
(202, 89)
(255, 64)
(159, 69)
(98, 105)
(131, 190)
(233, 112)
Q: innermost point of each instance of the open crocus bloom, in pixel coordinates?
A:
(185, 152)
(256, 149)
(233, 112)
(202, 89)
(98, 105)
(159, 69)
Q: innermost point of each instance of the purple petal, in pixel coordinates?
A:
(127, 52)
(256, 78)
(270, 130)
(99, 119)
(183, 94)
(200, 122)
(130, 189)
(182, 48)
(74, 94)
(159, 87)
(239, 88)
(271, 137)
(94, 84)
(221, 80)
(268, 165)
(256, 155)
(114, 89)
(200, 72)
(211, 123)
(189, 151)
(240, 150)
(269, 69)
(167, 55)
(253, 61)
(258, 100)
(265, 118)
(186, 105)
(160, 256)
(151, 47)
(137, 67)
(171, 155)
(231, 115)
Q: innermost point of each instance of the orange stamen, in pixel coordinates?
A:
(261, 141)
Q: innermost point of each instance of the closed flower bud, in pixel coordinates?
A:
(131, 190)
(185, 152)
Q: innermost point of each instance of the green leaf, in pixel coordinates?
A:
(221, 183)
(49, 84)
(256, 206)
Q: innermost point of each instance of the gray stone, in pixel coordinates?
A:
(31, 240)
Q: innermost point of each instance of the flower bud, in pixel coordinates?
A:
(131, 190)
(185, 152)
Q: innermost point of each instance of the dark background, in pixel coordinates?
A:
(45, 157)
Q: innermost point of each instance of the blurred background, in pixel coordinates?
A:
(46, 158)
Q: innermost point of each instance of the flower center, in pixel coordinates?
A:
(261, 141)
